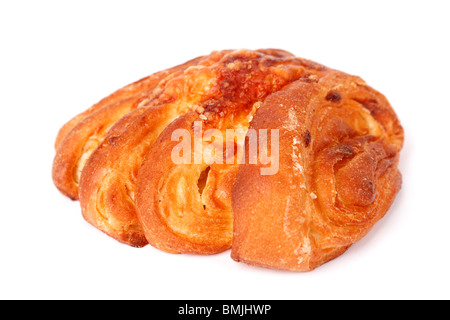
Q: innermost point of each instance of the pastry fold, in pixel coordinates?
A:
(339, 151)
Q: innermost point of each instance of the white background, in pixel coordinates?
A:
(58, 57)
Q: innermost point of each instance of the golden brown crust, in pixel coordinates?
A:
(177, 214)
(337, 174)
(81, 141)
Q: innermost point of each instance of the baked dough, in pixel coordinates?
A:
(108, 181)
(176, 213)
(339, 151)
(339, 144)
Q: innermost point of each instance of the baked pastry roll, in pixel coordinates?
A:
(338, 175)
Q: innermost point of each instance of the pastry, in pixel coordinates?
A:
(338, 175)
(186, 208)
(108, 181)
(336, 161)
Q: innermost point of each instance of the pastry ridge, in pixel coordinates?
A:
(341, 162)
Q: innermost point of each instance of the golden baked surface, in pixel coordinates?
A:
(339, 148)
(339, 142)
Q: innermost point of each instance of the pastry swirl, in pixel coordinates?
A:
(338, 174)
